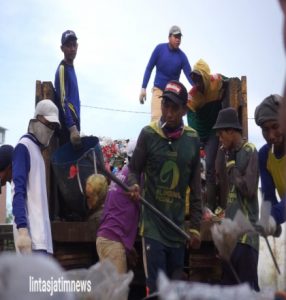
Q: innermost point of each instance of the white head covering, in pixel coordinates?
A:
(48, 110)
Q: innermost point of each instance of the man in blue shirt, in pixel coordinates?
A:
(272, 161)
(169, 61)
(67, 94)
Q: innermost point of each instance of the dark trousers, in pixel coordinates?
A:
(244, 260)
(160, 257)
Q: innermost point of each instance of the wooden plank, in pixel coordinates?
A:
(244, 106)
(74, 231)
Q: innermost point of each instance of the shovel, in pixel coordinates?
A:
(97, 160)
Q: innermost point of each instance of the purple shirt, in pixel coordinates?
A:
(120, 216)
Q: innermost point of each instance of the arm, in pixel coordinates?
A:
(278, 211)
(268, 188)
(267, 183)
(150, 66)
(64, 96)
(246, 181)
(195, 193)
(195, 202)
(20, 171)
(138, 160)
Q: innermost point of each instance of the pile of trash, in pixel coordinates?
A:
(114, 153)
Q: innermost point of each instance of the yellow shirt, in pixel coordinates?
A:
(277, 167)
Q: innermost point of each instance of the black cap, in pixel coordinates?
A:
(67, 36)
(6, 152)
(227, 118)
(176, 92)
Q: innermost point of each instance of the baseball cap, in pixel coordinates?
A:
(48, 110)
(6, 152)
(176, 92)
(68, 35)
(175, 30)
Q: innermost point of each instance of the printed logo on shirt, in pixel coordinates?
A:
(169, 175)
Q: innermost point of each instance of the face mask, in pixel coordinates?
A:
(41, 132)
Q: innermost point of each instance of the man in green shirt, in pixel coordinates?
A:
(167, 153)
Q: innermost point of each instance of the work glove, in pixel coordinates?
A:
(195, 241)
(75, 137)
(266, 225)
(23, 241)
(271, 227)
(142, 96)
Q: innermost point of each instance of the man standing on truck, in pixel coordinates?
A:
(32, 230)
(241, 164)
(167, 153)
(169, 61)
(204, 103)
(272, 161)
(67, 94)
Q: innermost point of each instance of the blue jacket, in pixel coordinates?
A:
(67, 95)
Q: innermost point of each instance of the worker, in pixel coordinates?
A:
(204, 103)
(272, 161)
(118, 227)
(29, 193)
(169, 61)
(67, 93)
(241, 163)
(168, 154)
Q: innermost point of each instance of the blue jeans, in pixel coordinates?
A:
(158, 257)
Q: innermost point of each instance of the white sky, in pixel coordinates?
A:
(116, 39)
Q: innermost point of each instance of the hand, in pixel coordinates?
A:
(134, 192)
(142, 96)
(271, 228)
(23, 241)
(195, 242)
(75, 137)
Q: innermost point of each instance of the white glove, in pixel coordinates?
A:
(23, 241)
(75, 137)
(270, 227)
(142, 96)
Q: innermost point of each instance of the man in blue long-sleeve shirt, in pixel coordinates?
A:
(67, 94)
(272, 160)
(169, 61)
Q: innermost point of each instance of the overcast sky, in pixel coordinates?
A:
(116, 39)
